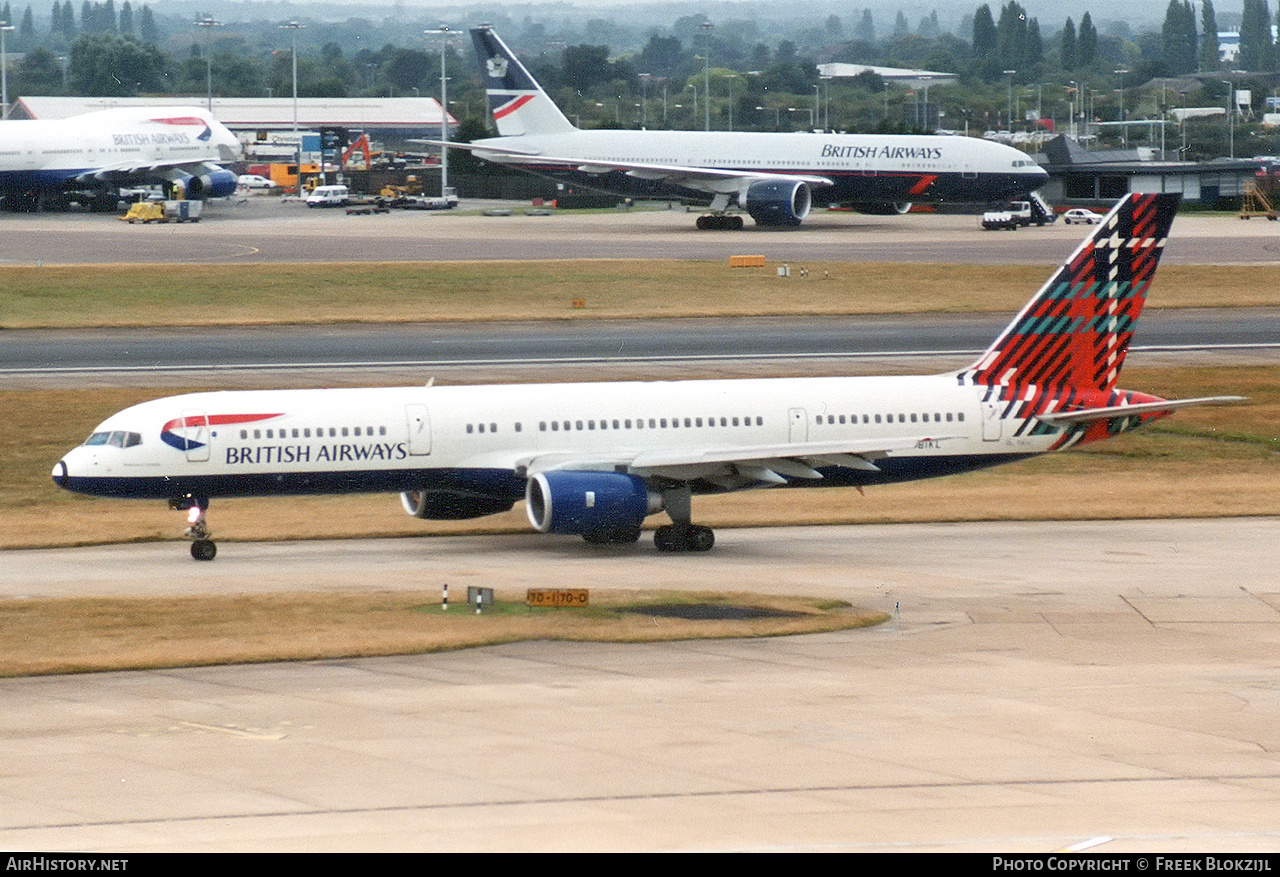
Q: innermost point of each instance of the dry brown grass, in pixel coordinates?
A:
(92, 634)
(112, 295)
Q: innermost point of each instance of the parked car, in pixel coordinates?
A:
(1080, 215)
(254, 181)
(328, 196)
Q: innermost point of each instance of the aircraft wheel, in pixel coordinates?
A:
(204, 549)
(665, 538)
(699, 538)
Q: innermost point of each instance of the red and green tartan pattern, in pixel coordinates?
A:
(1075, 333)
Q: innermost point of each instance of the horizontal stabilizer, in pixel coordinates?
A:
(1088, 415)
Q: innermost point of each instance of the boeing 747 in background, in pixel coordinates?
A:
(596, 460)
(90, 156)
(776, 178)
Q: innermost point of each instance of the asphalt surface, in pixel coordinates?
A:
(259, 229)
(142, 351)
(1040, 685)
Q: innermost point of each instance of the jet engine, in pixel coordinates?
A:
(883, 208)
(599, 506)
(443, 505)
(210, 182)
(776, 202)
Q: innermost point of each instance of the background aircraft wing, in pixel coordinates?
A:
(680, 175)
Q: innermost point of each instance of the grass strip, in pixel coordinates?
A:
(77, 635)
(311, 294)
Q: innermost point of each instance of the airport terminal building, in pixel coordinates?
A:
(391, 121)
(1079, 176)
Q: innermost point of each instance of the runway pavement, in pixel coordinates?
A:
(214, 351)
(1041, 684)
(258, 230)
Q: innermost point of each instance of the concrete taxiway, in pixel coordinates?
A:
(262, 230)
(1040, 684)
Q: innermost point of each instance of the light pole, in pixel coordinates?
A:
(1124, 129)
(1231, 115)
(208, 24)
(707, 27)
(730, 78)
(1010, 73)
(445, 33)
(293, 27)
(5, 27)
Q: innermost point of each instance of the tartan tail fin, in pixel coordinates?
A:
(1075, 333)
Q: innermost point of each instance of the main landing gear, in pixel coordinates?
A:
(720, 222)
(718, 219)
(202, 546)
(686, 537)
(682, 534)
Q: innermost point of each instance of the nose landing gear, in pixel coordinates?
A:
(202, 546)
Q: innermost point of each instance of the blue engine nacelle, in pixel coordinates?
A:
(211, 182)
(777, 202)
(601, 506)
(444, 505)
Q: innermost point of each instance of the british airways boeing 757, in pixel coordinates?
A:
(97, 153)
(776, 178)
(596, 460)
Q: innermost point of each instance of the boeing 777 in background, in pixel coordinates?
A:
(90, 156)
(596, 460)
(776, 178)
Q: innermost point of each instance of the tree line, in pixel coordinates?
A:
(751, 79)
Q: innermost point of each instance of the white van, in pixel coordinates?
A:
(328, 196)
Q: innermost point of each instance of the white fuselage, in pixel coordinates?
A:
(860, 166)
(239, 443)
(118, 141)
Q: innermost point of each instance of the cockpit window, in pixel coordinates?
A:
(116, 439)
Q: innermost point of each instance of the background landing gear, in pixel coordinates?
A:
(719, 222)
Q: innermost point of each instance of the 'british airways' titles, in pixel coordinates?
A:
(918, 153)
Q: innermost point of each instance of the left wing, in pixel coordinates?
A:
(677, 175)
(739, 466)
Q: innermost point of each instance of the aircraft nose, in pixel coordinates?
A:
(60, 473)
